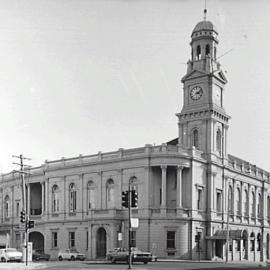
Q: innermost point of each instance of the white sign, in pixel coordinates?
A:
(120, 236)
(134, 222)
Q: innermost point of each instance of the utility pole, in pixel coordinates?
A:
(129, 228)
(22, 174)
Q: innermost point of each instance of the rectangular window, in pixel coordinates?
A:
(73, 201)
(17, 209)
(238, 245)
(71, 238)
(170, 239)
(54, 239)
(87, 239)
(133, 238)
(199, 199)
(219, 201)
(252, 244)
(230, 245)
(160, 196)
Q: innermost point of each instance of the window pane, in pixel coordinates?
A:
(171, 239)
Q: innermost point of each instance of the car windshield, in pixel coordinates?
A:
(11, 249)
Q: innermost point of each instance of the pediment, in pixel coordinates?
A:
(220, 75)
(193, 74)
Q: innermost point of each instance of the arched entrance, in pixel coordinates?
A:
(101, 243)
(37, 239)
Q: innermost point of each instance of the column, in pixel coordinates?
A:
(179, 187)
(42, 198)
(256, 206)
(28, 199)
(163, 186)
(100, 190)
(82, 199)
(46, 200)
(248, 203)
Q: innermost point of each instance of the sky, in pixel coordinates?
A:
(82, 76)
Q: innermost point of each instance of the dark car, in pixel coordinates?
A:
(121, 254)
(40, 255)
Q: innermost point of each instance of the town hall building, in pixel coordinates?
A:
(194, 198)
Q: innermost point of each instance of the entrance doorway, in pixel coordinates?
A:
(37, 239)
(101, 243)
(219, 248)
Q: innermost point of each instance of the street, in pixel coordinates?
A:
(55, 265)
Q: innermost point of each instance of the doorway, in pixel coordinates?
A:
(101, 243)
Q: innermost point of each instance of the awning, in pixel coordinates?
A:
(222, 234)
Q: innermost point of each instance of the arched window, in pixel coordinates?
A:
(253, 205)
(72, 198)
(230, 200)
(259, 207)
(91, 195)
(6, 202)
(110, 193)
(245, 203)
(268, 207)
(207, 50)
(238, 201)
(195, 138)
(198, 52)
(55, 199)
(258, 242)
(218, 141)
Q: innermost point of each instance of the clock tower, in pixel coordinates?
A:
(203, 122)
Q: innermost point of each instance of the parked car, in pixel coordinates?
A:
(10, 254)
(121, 254)
(71, 254)
(40, 255)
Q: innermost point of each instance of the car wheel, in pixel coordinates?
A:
(37, 258)
(72, 258)
(3, 259)
(145, 262)
(60, 258)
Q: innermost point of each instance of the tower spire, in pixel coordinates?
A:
(204, 11)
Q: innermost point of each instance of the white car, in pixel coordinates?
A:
(71, 254)
(10, 254)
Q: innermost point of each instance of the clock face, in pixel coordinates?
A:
(196, 93)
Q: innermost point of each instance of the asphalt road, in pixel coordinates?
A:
(153, 265)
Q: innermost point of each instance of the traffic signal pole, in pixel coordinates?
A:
(24, 201)
(129, 228)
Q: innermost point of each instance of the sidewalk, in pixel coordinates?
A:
(21, 266)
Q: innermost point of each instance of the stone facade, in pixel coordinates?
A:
(186, 187)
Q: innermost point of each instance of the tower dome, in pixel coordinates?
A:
(204, 26)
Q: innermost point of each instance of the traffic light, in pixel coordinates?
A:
(125, 199)
(30, 224)
(22, 216)
(134, 198)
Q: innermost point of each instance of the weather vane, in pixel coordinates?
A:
(204, 11)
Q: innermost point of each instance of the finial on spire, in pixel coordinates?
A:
(204, 11)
